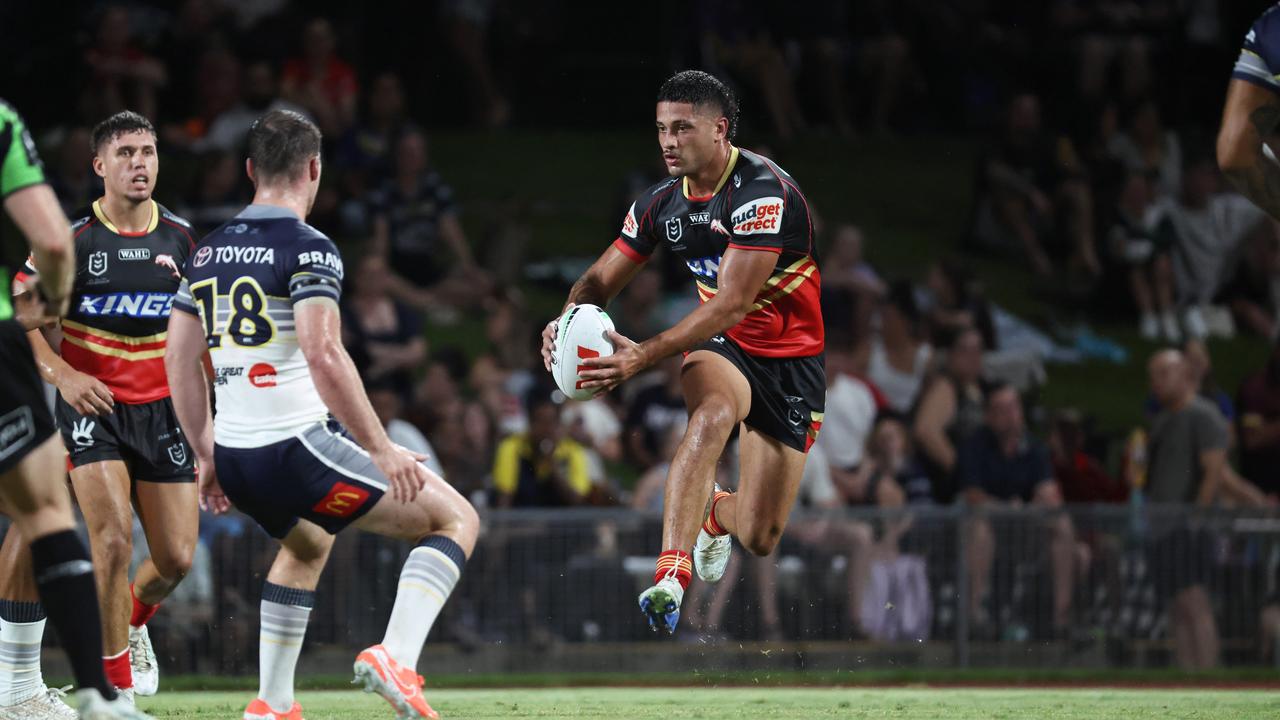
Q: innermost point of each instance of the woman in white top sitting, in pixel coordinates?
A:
(899, 355)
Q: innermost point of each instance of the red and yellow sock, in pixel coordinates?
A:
(142, 612)
(711, 525)
(119, 670)
(675, 562)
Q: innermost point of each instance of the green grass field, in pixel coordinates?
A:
(742, 703)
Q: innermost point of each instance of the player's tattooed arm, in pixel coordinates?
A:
(597, 286)
(1250, 117)
(742, 274)
(604, 279)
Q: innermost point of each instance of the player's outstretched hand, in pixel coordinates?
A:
(403, 469)
(549, 337)
(86, 393)
(606, 373)
(212, 498)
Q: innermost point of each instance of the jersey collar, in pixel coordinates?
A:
(724, 178)
(151, 226)
(259, 211)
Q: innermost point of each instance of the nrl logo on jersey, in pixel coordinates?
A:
(675, 229)
(98, 263)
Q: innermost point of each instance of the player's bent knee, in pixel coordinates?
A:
(174, 566)
(714, 415)
(761, 541)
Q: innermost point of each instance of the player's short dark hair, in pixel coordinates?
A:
(702, 89)
(122, 123)
(281, 143)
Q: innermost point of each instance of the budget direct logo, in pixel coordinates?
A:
(262, 375)
(758, 217)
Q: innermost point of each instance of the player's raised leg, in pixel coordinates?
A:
(287, 599)
(444, 527)
(171, 520)
(103, 491)
(768, 480)
(719, 398)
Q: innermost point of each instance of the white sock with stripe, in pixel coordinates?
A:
(285, 612)
(21, 635)
(427, 580)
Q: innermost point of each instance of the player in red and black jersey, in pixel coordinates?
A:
(113, 409)
(754, 347)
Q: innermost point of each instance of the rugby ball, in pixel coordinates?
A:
(581, 333)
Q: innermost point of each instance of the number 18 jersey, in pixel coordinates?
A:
(242, 282)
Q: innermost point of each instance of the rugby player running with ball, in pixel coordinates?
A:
(753, 347)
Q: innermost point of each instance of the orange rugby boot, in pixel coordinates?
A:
(260, 710)
(400, 686)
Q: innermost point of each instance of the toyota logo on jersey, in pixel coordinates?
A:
(203, 255)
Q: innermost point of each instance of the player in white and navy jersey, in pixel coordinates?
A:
(296, 444)
(1251, 115)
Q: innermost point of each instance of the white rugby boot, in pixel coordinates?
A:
(95, 707)
(48, 704)
(711, 552)
(142, 657)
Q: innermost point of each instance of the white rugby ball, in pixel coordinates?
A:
(581, 333)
